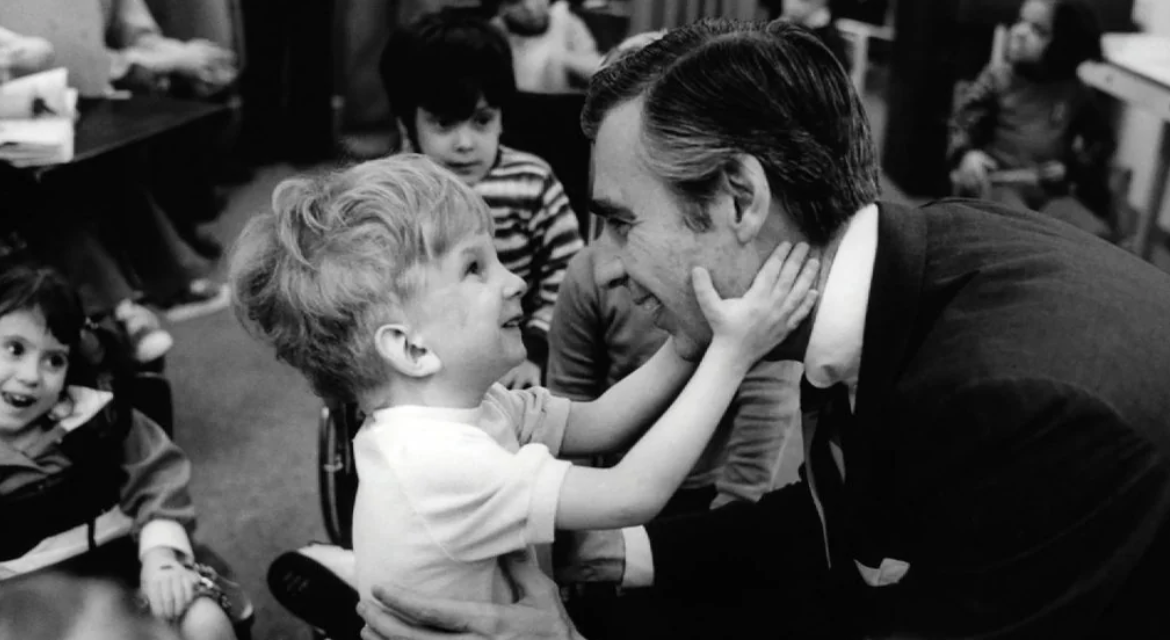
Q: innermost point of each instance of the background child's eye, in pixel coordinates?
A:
(473, 268)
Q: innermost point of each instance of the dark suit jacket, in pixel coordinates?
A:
(1012, 444)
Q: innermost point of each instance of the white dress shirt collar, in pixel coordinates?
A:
(834, 348)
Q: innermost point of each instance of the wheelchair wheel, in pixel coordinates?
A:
(337, 476)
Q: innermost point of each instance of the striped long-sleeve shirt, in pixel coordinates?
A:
(536, 234)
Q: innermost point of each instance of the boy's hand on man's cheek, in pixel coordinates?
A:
(526, 374)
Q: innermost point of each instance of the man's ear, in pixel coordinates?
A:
(405, 351)
(751, 196)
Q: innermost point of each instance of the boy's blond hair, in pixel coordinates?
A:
(342, 254)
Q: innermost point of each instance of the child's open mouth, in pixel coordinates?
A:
(18, 400)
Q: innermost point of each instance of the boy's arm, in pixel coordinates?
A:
(636, 489)
(974, 115)
(744, 329)
(554, 238)
(765, 411)
(156, 493)
(610, 422)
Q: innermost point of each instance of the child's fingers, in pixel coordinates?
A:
(801, 312)
(793, 268)
(796, 294)
(770, 270)
(705, 292)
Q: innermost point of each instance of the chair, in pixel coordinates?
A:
(549, 125)
(336, 475)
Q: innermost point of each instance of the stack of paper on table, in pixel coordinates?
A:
(37, 113)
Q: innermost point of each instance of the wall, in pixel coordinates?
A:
(1138, 131)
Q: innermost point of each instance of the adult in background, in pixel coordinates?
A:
(992, 456)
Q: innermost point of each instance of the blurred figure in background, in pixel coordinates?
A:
(21, 54)
(552, 48)
(1030, 133)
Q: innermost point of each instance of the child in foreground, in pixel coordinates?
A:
(380, 283)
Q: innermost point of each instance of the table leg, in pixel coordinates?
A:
(1153, 209)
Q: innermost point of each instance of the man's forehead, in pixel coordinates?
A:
(615, 150)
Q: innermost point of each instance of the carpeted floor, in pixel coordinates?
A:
(249, 425)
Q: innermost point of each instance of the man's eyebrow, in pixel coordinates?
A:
(603, 208)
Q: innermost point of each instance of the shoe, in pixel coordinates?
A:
(148, 340)
(313, 593)
(200, 298)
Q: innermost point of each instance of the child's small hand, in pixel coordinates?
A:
(169, 586)
(526, 374)
(779, 299)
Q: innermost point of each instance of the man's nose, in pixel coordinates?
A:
(608, 270)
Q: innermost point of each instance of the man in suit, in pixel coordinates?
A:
(991, 457)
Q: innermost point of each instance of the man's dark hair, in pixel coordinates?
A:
(716, 89)
(1076, 37)
(445, 62)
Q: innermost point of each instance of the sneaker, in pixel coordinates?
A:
(200, 298)
(147, 339)
(313, 593)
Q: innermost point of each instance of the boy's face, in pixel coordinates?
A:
(469, 313)
(32, 370)
(467, 148)
(1030, 35)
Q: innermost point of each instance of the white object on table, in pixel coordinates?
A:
(1136, 70)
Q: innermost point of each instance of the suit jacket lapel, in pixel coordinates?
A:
(893, 304)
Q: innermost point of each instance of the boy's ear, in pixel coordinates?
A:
(405, 351)
(751, 196)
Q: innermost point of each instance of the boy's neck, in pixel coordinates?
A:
(430, 392)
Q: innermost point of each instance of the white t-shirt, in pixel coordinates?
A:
(443, 493)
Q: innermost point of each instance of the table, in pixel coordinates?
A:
(1136, 70)
(106, 126)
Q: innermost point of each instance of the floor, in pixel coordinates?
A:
(250, 426)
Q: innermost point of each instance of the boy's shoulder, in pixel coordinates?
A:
(516, 163)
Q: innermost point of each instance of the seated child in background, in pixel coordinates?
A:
(142, 58)
(599, 336)
(381, 285)
(1030, 133)
(79, 468)
(449, 76)
(21, 55)
(552, 48)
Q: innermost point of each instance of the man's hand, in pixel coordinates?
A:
(971, 174)
(402, 614)
(166, 583)
(526, 374)
(589, 556)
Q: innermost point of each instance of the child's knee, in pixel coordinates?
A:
(205, 620)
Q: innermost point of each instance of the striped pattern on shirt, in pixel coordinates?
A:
(536, 229)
